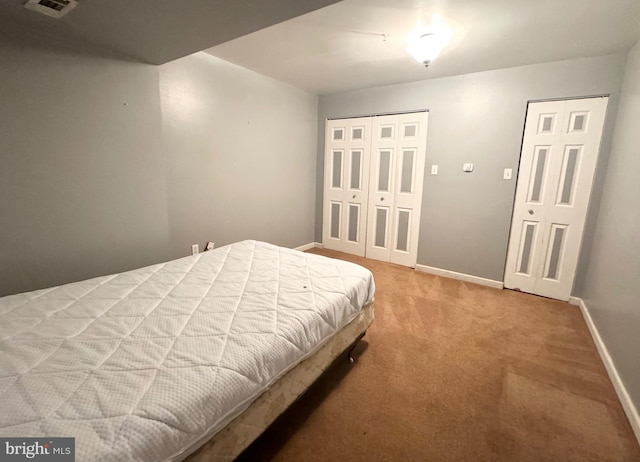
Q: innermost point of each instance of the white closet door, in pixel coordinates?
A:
(398, 149)
(557, 165)
(346, 184)
(381, 187)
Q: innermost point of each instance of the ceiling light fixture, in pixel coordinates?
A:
(426, 43)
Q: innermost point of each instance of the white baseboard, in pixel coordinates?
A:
(618, 385)
(460, 276)
(310, 245)
(575, 301)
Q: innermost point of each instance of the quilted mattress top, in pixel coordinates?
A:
(140, 366)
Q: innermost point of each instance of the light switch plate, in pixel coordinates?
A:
(507, 174)
(434, 169)
(467, 167)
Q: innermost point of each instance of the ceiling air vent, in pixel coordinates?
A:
(54, 8)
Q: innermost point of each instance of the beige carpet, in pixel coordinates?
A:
(453, 371)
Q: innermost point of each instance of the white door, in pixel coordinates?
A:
(398, 149)
(557, 165)
(346, 184)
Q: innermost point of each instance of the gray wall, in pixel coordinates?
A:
(109, 165)
(612, 282)
(82, 177)
(241, 155)
(476, 118)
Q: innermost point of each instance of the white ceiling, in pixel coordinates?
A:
(342, 47)
(154, 31)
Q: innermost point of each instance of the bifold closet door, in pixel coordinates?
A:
(346, 184)
(557, 165)
(398, 149)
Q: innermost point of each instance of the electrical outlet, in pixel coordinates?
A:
(195, 249)
(467, 167)
(507, 174)
(209, 246)
(434, 169)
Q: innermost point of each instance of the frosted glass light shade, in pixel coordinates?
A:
(426, 47)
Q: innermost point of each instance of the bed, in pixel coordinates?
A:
(192, 358)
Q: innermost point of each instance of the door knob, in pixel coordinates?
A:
(354, 196)
(382, 198)
(530, 212)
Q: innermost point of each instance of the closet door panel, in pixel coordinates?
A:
(346, 184)
(397, 173)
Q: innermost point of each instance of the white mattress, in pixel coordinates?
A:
(145, 365)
